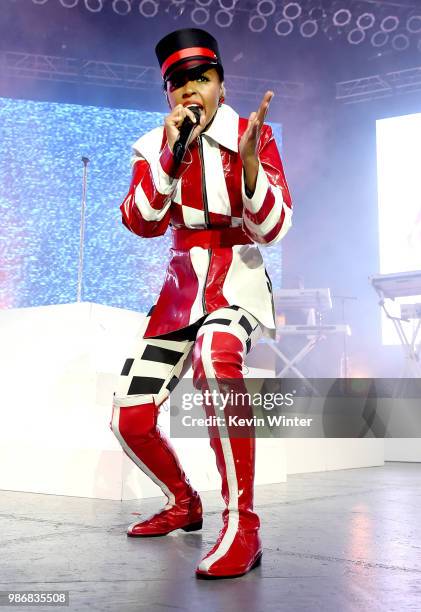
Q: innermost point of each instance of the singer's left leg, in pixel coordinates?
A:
(218, 357)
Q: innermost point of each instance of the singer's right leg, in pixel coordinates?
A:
(149, 374)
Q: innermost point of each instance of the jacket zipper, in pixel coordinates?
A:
(207, 221)
(204, 194)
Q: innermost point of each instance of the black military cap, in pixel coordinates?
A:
(185, 49)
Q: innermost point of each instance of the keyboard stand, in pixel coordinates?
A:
(291, 363)
(313, 334)
(412, 366)
(396, 285)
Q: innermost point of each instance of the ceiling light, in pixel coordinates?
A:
(413, 24)
(266, 8)
(148, 8)
(342, 17)
(379, 38)
(389, 23)
(365, 21)
(284, 27)
(94, 6)
(292, 10)
(400, 42)
(309, 28)
(122, 7)
(200, 15)
(223, 18)
(356, 36)
(257, 23)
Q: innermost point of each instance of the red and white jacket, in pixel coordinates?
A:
(215, 260)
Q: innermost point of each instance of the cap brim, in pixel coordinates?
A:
(189, 64)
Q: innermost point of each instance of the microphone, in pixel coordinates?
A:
(186, 130)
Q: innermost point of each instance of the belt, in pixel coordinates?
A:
(184, 239)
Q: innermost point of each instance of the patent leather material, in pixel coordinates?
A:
(141, 439)
(186, 515)
(246, 554)
(238, 548)
(241, 526)
(207, 193)
(184, 239)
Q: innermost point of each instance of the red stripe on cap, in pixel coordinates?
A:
(186, 53)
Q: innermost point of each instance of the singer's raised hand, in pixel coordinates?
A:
(174, 121)
(250, 140)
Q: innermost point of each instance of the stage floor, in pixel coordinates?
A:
(344, 540)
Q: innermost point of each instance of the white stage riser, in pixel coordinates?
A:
(60, 364)
(403, 449)
(111, 475)
(320, 455)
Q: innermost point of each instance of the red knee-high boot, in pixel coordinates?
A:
(238, 548)
(141, 439)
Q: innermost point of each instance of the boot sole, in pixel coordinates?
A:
(204, 576)
(192, 527)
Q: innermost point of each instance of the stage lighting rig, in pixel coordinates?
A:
(379, 23)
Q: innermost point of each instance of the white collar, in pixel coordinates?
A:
(224, 128)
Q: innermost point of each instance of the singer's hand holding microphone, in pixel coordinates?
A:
(182, 126)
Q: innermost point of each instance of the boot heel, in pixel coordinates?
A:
(193, 526)
(257, 562)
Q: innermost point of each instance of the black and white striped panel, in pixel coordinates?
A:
(235, 320)
(153, 366)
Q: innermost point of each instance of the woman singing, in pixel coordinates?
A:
(226, 194)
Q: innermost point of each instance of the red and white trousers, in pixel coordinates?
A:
(215, 347)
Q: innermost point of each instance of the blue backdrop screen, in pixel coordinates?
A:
(41, 145)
